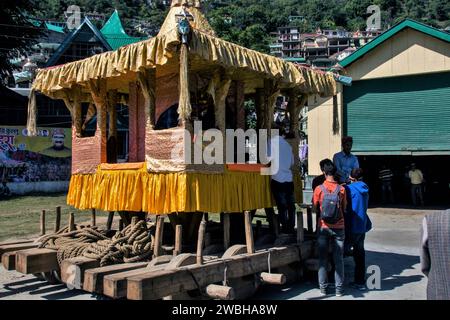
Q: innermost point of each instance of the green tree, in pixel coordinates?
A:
(18, 32)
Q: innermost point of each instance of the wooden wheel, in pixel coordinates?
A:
(159, 260)
(234, 251)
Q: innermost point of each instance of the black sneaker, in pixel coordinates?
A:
(358, 286)
(323, 291)
(339, 292)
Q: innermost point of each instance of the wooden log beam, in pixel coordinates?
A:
(42, 220)
(201, 242)
(273, 278)
(115, 285)
(226, 231)
(71, 222)
(159, 236)
(72, 271)
(57, 219)
(155, 285)
(249, 233)
(93, 218)
(215, 291)
(9, 260)
(7, 243)
(109, 222)
(9, 247)
(93, 278)
(36, 261)
(178, 240)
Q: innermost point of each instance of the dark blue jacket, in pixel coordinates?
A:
(356, 218)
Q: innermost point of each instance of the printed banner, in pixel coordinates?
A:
(46, 157)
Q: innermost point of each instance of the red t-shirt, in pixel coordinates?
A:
(318, 198)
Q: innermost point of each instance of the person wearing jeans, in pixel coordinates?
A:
(282, 180)
(284, 198)
(357, 224)
(331, 232)
(336, 237)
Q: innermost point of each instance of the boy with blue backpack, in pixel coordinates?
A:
(331, 201)
(357, 224)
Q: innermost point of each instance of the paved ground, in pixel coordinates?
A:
(393, 245)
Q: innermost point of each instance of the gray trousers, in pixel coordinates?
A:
(336, 236)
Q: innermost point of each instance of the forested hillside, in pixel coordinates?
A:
(249, 22)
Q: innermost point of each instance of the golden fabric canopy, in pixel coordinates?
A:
(120, 67)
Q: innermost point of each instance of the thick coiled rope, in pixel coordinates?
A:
(132, 244)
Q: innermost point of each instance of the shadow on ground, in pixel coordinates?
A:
(392, 265)
(38, 288)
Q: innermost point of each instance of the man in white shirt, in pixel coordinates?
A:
(282, 184)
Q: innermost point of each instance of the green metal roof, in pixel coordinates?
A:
(115, 34)
(407, 23)
(53, 27)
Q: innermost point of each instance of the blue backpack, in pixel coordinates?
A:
(331, 205)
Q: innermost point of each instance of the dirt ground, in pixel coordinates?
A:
(393, 245)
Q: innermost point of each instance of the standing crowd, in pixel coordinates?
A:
(340, 200)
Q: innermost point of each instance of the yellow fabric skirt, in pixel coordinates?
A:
(165, 193)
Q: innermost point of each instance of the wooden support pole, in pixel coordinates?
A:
(109, 222)
(309, 219)
(93, 220)
(215, 291)
(201, 242)
(147, 81)
(159, 236)
(42, 222)
(240, 108)
(98, 90)
(226, 231)
(249, 233)
(276, 225)
(273, 278)
(71, 222)
(178, 240)
(300, 232)
(120, 225)
(58, 219)
(258, 229)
